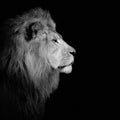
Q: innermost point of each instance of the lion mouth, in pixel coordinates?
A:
(63, 66)
(66, 65)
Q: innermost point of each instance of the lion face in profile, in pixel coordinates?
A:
(58, 53)
(35, 54)
(55, 52)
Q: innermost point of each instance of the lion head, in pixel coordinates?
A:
(35, 54)
(54, 51)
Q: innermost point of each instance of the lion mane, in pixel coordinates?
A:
(27, 77)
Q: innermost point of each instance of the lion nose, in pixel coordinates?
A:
(72, 50)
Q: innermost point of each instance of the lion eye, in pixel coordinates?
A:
(55, 40)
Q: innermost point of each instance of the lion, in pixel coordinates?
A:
(32, 57)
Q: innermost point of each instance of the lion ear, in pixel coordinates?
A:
(32, 29)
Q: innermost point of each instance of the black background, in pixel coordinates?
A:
(78, 94)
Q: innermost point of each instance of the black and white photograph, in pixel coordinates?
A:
(39, 60)
(49, 60)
